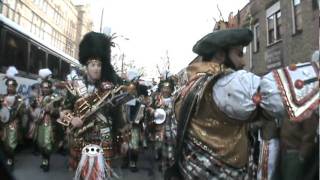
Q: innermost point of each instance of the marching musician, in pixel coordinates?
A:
(134, 113)
(44, 112)
(163, 127)
(215, 107)
(98, 128)
(298, 134)
(11, 111)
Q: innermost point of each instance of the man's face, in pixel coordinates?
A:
(34, 92)
(132, 89)
(166, 91)
(45, 88)
(94, 69)
(237, 57)
(11, 89)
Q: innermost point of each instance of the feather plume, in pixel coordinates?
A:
(45, 73)
(11, 72)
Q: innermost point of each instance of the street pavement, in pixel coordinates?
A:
(27, 168)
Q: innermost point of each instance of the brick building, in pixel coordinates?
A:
(285, 32)
(60, 23)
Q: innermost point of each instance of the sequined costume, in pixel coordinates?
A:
(91, 102)
(168, 141)
(134, 112)
(12, 110)
(98, 129)
(11, 124)
(292, 95)
(216, 144)
(212, 111)
(44, 114)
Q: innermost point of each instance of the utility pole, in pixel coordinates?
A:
(101, 22)
(122, 64)
(1, 4)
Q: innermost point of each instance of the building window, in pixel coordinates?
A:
(270, 26)
(296, 16)
(274, 23)
(37, 59)
(45, 6)
(54, 65)
(65, 68)
(11, 3)
(256, 36)
(278, 25)
(15, 52)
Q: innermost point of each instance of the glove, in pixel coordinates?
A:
(76, 122)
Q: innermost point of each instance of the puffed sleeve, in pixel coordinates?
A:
(233, 94)
(271, 100)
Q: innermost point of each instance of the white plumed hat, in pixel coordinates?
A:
(11, 72)
(45, 73)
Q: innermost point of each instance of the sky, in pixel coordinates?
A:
(149, 29)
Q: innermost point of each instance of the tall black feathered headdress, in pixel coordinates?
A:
(98, 46)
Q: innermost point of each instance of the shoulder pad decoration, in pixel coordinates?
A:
(299, 88)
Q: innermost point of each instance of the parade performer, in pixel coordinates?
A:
(166, 102)
(163, 126)
(265, 146)
(88, 111)
(134, 113)
(44, 113)
(213, 110)
(291, 94)
(220, 98)
(11, 112)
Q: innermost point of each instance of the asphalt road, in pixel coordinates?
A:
(27, 168)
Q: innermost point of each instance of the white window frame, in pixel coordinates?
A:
(294, 29)
(272, 11)
(255, 37)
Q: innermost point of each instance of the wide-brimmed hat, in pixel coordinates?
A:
(222, 40)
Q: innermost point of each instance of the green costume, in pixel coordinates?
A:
(10, 124)
(45, 114)
(11, 112)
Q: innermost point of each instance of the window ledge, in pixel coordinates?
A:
(274, 43)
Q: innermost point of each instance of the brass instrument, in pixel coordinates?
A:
(48, 102)
(159, 116)
(139, 114)
(88, 105)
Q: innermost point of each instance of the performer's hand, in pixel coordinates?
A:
(124, 148)
(4, 103)
(63, 113)
(150, 110)
(48, 108)
(76, 122)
